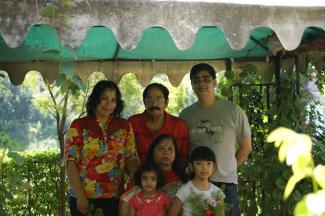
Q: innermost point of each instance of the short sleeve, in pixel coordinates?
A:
(73, 142)
(182, 193)
(133, 202)
(242, 125)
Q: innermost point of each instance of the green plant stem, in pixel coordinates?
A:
(314, 182)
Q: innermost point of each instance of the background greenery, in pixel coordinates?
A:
(25, 118)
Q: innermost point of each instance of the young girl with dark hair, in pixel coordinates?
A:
(149, 201)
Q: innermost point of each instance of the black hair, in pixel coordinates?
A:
(149, 167)
(178, 165)
(202, 67)
(161, 87)
(94, 98)
(202, 153)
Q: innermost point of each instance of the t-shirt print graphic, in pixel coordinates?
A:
(205, 127)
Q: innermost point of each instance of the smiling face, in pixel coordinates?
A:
(149, 182)
(202, 169)
(155, 102)
(164, 154)
(203, 84)
(107, 104)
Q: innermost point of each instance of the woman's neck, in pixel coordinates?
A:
(166, 167)
(102, 120)
(201, 184)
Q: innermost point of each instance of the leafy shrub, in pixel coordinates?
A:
(39, 194)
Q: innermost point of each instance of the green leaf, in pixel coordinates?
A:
(302, 164)
(49, 11)
(66, 85)
(68, 68)
(243, 74)
(301, 208)
(315, 202)
(77, 81)
(69, 4)
(292, 183)
(225, 91)
(319, 174)
(17, 157)
(229, 75)
(60, 79)
(279, 135)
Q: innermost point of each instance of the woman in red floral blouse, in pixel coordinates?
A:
(99, 151)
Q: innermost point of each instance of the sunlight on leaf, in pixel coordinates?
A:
(316, 202)
(292, 183)
(302, 164)
(279, 135)
(301, 208)
(291, 144)
(300, 145)
(319, 173)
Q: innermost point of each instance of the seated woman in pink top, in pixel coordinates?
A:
(149, 201)
(164, 152)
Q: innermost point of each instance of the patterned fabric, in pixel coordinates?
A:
(100, 155)
(145, 206)
(173, 125)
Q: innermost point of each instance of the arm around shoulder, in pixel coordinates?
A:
(176, 207)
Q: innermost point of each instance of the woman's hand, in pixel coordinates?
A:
(83, 204)
(171, 186)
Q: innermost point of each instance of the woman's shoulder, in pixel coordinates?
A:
(120, 122)
(83, 122)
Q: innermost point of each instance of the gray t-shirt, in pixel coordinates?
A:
(188, 189)
(218, 127)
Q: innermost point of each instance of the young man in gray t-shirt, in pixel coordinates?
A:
(218, 124)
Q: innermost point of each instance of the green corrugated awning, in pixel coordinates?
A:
(41, 43)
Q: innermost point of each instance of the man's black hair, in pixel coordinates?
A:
(202, 67)
(159, 86)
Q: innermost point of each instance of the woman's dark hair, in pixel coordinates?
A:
(149, 167)
(178, 165)
(94, 98)
(202, 153)
(202, 67)
(159, 86)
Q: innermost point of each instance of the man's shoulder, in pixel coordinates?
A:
(187, 110)
(175, 119)
(136, 117)
(228, 105)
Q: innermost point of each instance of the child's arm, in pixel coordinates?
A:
(176, 207)
(168, 206)
(131, 211)
(221, 210)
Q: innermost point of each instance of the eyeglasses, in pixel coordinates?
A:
(157, 100)
(205, 79)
